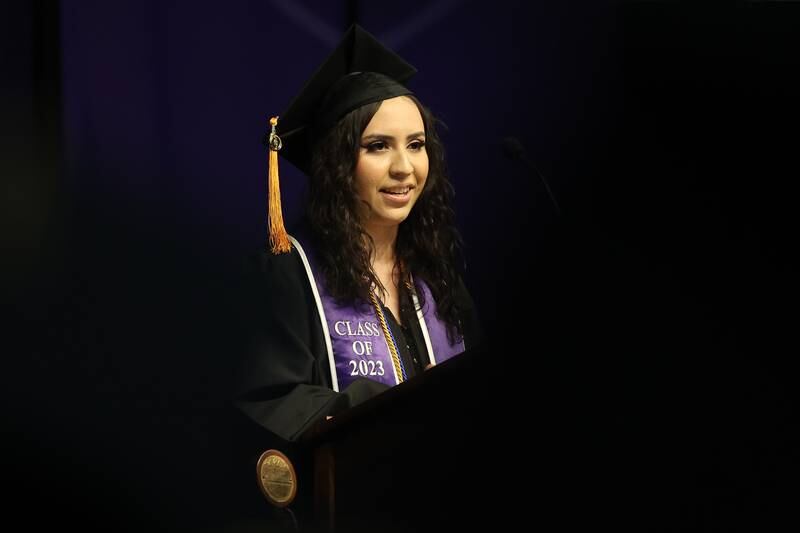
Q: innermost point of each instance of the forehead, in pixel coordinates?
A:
(396, 115)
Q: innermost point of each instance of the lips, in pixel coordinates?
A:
(397, 196)
(399, 191)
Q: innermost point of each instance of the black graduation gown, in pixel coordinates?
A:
(285, 383)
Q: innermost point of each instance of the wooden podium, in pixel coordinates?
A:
(486, 441)
(414, 458)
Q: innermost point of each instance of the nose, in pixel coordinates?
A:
(401, 165)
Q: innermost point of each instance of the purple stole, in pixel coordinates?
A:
(356, 344)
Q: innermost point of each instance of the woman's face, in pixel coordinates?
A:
(392, 162)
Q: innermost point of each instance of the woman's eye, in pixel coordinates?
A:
(376, 146)
(416, 145)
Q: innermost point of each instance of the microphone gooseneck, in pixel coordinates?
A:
(515, 151)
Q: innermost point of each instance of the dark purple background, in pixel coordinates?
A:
(164, 108)
(645, 328)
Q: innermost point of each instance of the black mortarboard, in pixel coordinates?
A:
(359, 71)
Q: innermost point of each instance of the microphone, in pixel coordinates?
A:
(513, 150)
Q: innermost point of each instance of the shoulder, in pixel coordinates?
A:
(266, 264)
(278, 276)
(462, 296)
(468, 314)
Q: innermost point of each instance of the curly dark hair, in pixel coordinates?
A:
(428, 242)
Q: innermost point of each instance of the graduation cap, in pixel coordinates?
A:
(359, 71)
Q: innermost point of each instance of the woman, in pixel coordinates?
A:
(365, 293)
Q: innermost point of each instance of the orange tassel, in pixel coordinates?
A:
(278, 238)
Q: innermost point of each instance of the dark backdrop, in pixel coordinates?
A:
(643, 333)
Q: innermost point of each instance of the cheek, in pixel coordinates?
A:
(421, 169)
(368, 174)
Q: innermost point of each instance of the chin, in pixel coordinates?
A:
(396, 219)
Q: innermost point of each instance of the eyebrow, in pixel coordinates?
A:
(382, 137)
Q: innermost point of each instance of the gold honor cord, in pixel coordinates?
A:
(389, 339)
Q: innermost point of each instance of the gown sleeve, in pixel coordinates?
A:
(284, 383)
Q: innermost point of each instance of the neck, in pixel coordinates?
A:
(384, 238)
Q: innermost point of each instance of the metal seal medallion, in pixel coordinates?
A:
(277, 478)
